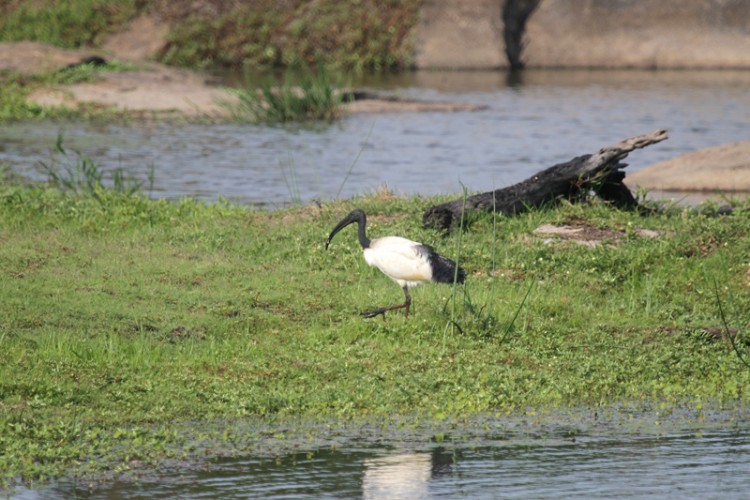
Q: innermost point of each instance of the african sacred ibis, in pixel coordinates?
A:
(406, 262)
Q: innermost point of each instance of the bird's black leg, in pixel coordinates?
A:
(407, 302)
(382, 310)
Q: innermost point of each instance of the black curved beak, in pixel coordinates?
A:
(352, 217)
(341, 225)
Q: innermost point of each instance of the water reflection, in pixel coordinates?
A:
(397, 476)
(711, 465)
(412, 475)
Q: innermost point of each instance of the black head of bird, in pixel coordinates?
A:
(406, 262)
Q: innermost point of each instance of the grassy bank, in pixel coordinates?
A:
(359, 35)
(69, 24)
(125, 319)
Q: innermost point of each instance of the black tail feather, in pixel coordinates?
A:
(444, 269)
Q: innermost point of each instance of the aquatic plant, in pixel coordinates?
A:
(304, 94)
(80, 174)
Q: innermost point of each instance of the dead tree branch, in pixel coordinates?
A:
(600, 172)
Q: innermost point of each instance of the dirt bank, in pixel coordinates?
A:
(156, 89)
(28, 58)
(458, 35)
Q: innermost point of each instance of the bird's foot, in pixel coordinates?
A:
(374, 312)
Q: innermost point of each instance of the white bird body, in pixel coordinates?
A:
(406, 262)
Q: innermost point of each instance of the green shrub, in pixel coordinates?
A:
(71, 23)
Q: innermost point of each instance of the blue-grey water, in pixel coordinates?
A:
(531, 122)
(632, 456)
(708, 465)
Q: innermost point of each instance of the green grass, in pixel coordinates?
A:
(125, 318)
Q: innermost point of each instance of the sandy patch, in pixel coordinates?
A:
(158, 89)
(585, 234)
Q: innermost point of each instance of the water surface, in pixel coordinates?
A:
(530, 122)
(591, 453)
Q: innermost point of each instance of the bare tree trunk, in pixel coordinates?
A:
(515, 15)
(600, 172)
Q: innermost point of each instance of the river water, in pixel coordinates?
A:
(683, 453)
(530, 122)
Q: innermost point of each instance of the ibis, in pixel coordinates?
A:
(406, 262)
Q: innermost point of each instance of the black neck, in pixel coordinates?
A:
(357, 216)
(361, 235)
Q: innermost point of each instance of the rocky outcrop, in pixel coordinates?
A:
(645, 34)
(162, 90)
(460, 35)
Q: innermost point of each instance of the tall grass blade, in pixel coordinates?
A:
(515, 316)
(356, 159)
(458, 263)
(725, 323)
(494, 255)
(291, 181)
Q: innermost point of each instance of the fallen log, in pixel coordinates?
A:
(600, 173)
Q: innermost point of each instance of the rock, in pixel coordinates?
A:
(645, 34)
(460, 35)
(387, 105)
(162, 89)
(720, 168)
